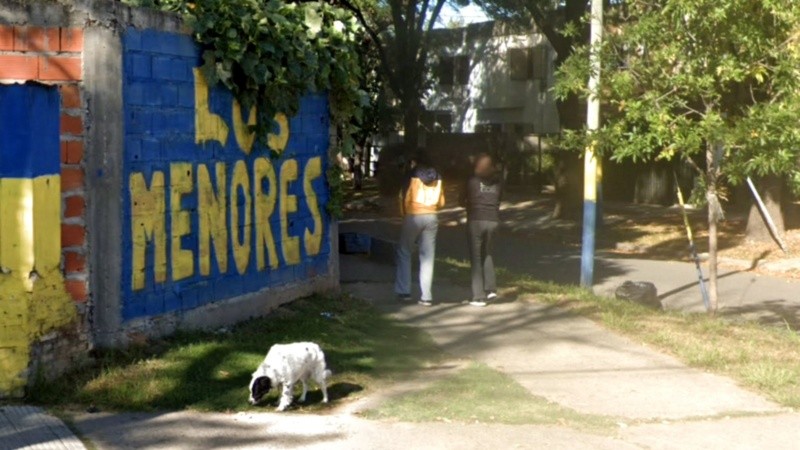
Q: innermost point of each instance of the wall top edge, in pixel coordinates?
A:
(87, 13)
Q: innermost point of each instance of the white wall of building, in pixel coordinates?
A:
(491, 96)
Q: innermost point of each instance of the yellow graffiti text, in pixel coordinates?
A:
(212, 127)
(148, 225)
(212, 215)
(241, 243)
(234, 219)
(312, 240)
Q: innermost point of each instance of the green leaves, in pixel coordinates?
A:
(270, 54)
(314, 22)
(681, 74)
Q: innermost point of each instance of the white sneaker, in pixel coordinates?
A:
(425, 302)
(480, 303)
(491, 296)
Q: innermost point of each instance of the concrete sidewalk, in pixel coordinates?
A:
(27, 427)
(767, 298)
(658, 402)
(566, 359)
(188, 430)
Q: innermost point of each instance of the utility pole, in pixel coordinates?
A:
(590, 160)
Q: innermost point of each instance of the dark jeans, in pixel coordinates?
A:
(481, 234)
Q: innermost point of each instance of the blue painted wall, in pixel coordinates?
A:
(159, 95)
(29, 118)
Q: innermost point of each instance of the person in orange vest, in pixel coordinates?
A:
(420, 199)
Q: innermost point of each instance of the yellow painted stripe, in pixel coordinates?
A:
(590, 175)
(30, 226)
(16, 227)
(47, 223)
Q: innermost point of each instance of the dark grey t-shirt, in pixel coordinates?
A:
(483, 197)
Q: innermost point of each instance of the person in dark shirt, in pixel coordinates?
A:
(481, 197)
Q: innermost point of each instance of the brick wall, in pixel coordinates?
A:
(55, 340)
(54, 56)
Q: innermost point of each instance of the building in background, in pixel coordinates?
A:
(491, 77)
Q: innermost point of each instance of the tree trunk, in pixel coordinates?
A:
(713, 216)
(568, 184)
(654, 185)
(568, 169)
(411, 116)
(771, 190)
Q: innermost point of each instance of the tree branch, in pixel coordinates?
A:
(375, 37)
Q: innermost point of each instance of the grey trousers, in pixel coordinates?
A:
(422, 229)
(481, 234)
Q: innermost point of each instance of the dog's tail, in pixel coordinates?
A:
(327, 374)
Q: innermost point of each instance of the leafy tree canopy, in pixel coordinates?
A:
(698, 79)
(680, 76)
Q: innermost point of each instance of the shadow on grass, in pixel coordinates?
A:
(210, 371)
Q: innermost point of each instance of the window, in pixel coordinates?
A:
(489, 128)
(437, 121)
(453, 70)
(527, 63)
(518, 64)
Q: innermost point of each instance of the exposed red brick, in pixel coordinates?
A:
(6, 38)
(71, 124)
(59, 68)
(29, 39)
(77, 289)
(74, 262)
(71, 40)
(74, 206)
(63, 152)
(74, 152)
(71, 179)
(19, 67)
(53, 39)
(70, 96)
(72, 235)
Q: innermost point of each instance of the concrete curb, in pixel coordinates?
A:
(23, 427)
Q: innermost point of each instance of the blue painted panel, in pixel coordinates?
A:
(29, 131)
(159, 102)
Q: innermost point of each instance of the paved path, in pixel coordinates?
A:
(567, 359)
(770, 299)
(27, 427)
(197, 431)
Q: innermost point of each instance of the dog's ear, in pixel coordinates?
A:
(259, 387)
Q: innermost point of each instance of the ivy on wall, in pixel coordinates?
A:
(271, 53)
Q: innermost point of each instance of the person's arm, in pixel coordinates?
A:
(441, 195)
(410, 194)
(463, 195)
(401, 202)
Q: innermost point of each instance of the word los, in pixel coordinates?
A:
(250, 226)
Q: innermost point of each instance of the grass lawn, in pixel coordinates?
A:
(481, 394)
(764, 358)
(209, 371)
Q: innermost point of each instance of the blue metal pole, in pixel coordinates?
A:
(589, 219)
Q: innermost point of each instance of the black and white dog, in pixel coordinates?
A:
(285, 365)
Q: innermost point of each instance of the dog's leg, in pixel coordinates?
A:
(286, 396)
(319, 378)
(305, 390)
